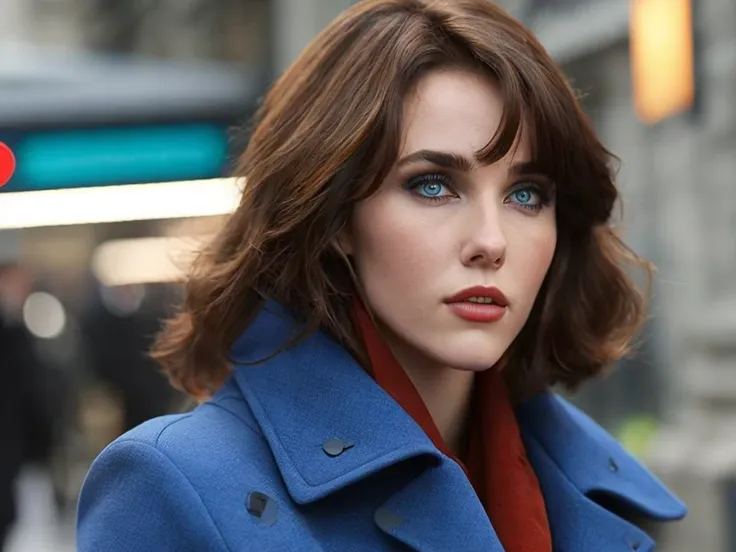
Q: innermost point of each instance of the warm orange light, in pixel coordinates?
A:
(662, 58)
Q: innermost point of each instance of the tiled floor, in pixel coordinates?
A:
(39, 528)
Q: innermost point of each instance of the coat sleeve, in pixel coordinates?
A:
(135, 498)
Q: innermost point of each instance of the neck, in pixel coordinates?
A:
(446, 392)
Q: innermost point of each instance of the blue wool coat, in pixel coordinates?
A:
(304, 452)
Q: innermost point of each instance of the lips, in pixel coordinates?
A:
(480, 295)
(479, 304)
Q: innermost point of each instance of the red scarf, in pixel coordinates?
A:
(496, 462)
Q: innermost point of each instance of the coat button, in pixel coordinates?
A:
(387, 520)
(612, 465)
(335, 447)
(262, 507)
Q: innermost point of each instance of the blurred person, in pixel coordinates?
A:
(423, 250)
(26, 416)
(119, 325)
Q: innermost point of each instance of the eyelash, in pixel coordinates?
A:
(544, 191)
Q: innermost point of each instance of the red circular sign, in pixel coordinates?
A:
(7, 164)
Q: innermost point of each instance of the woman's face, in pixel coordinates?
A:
(443, 223)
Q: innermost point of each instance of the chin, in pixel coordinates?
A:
(475, 365)
(470, 359)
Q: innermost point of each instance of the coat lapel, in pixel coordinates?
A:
(579, 467)
(577, 523)
(439, 511)
(593, 461)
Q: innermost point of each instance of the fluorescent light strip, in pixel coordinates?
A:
(153, 201)
(145, 260)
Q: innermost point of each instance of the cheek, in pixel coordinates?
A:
(402, 257)
(393, 247)
(532, 254)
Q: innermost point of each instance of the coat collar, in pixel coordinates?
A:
(307, 395)
(593, 461)
(314, 392)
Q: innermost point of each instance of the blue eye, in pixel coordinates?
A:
(430, 189)
(530, 197)
(524, 196)
(430, 186)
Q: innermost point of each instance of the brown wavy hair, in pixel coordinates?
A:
(326, 136)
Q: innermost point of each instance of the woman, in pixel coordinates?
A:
(422, 250)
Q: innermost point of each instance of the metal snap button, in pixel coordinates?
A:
(335, 447)
(262, 507)
(387, 520)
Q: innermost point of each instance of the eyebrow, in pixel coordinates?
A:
(460, 162)
(443, 159)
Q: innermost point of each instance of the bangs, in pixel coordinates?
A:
(562, 142)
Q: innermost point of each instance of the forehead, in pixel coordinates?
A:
(454, 110)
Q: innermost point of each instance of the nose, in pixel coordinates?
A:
(486, 245)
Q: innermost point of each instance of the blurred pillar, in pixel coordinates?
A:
(9, 247)
(13, 19)
(297, 22)
(697, 456)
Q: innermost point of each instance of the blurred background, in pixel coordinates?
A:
(124, 116)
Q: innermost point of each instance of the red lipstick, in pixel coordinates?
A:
(479, 304)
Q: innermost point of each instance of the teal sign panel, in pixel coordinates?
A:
(72, 158)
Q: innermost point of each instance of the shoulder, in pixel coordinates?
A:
(210, 429)
(220, 429)
(175, 482)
